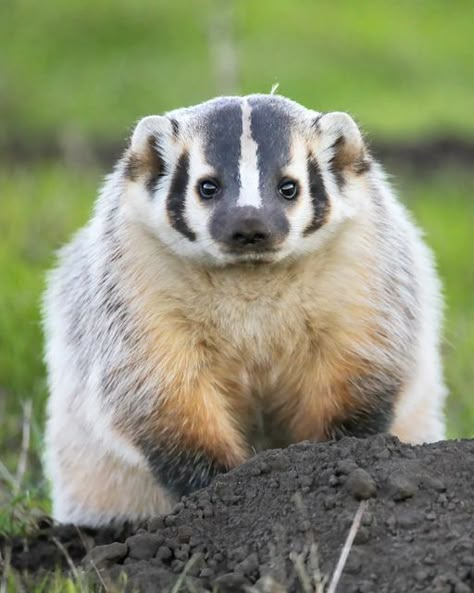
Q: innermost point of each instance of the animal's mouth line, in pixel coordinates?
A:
(262, 257)
(251, 252)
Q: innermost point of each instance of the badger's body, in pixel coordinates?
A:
(247, 279)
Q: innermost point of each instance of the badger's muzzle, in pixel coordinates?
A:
(243, 230)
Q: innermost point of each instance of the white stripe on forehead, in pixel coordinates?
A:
(249, 194)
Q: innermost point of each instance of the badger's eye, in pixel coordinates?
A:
(288, 189)
(208, 189)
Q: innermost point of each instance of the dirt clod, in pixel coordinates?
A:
(101, 556)
(143, 546)
(416, 534)
(402, 487)
(361, 484)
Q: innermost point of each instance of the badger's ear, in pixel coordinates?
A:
(147, 154)
(343, 144)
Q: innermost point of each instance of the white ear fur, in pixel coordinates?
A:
(344, 137)
(149, 149)
(149, 127)
(339, 124)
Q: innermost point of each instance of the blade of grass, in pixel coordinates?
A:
(25, 445)
(347, 547)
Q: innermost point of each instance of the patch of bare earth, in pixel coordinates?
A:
(280, 522)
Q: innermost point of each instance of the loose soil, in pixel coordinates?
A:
(276, 521)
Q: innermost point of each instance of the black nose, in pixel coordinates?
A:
(244, 237)
(249, 233)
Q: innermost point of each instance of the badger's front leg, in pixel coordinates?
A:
(190, 436)
(331, 401)
(155, 432)
(350, 396)
(366, 405)
(185, 417)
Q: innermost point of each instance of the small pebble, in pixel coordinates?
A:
(362, 535)
(249, 565)
(346, 466)
(164, 553)
(279, 463)
(156, 523)
(182, 553)
(409, 519)
(143, 546)
(461, 587)
(230, 583)
(434, 483)
(103, 555)
(401, 487)
(361, 484)
(177, 566)
(184, 533)
(170, 521)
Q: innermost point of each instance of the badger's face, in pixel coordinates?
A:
(244, 179)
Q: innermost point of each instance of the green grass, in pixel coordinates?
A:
(39, 209)
(42, 206)
(91, 68)
(445, 209)
(78, 581)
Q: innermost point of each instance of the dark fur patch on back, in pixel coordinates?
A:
(319, 196)
(176, 198)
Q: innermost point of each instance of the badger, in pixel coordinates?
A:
(247, 280)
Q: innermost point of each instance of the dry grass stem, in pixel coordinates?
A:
(5, 565)
(192, 561)
(25, 445)
(69, 560)
(347, 547)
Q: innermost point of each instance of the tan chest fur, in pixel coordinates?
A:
(252, 343)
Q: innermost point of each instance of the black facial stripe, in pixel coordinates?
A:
(181, 472)
(319, 196)
(223, 126)
(271, 130)
(176, 198)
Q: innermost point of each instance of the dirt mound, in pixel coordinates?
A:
(285, 515)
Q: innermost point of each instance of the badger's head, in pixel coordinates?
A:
(244, 179)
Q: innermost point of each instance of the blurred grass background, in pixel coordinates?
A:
(75, 75)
